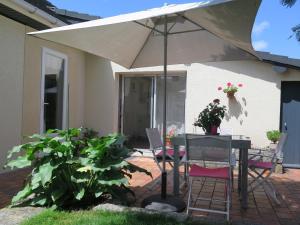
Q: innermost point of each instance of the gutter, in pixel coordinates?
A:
(35, 10)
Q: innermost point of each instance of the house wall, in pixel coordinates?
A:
(20, 84)
(11, 84)
(101, 95)
(254, 110)
(32, 83)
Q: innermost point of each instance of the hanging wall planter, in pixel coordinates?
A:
(230, 89)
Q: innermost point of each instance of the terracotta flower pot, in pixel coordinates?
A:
(168, 142)
(230, 94)
(214, 130)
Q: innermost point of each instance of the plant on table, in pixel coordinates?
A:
(211, 117)
(230, 89)
(170, 134)
(73, 169)
(273, 136)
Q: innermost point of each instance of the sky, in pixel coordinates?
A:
(271, 31)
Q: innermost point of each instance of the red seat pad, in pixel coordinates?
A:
(260, 164)
(220, 173)
(170, 152)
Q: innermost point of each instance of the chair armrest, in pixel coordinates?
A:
(254, 156)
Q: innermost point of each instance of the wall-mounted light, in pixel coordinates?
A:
(280, 69)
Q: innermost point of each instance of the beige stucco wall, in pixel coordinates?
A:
(254, 110)
(20, 84)
(101, 95)
(11, 84)
(32, 83)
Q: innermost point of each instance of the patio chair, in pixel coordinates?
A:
(262, 165)
(233, 161)
(214, 150)
(156, 146)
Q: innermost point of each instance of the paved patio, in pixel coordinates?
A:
(261, 209)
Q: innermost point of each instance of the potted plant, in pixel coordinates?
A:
(211, 117)
(230, 89)
(170, 134)
(273, 136)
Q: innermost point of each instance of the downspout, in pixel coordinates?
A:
(35, 10)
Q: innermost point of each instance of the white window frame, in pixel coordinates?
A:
(45, 52)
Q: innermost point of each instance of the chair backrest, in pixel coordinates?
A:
(279, 148)
(154, 138)
(208, 148)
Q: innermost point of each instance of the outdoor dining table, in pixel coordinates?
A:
(240, 142)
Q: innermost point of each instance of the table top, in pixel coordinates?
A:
(238, 141)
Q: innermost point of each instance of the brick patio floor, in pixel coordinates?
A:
(261, 209)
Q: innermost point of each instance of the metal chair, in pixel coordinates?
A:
(209, 150)
(262, 165)
(156, 148)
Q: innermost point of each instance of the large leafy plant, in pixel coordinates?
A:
(211, 116)
(73, 169)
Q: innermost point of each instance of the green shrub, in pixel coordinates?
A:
(73, 169)
(273, 135)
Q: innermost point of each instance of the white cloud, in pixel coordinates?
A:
(260, 45)
(260, 27)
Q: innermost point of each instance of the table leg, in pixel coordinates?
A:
(244, 178)
(240, 171)
(176, 171)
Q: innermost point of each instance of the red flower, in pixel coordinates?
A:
(229, 84)
(219, 88)
(240, 85)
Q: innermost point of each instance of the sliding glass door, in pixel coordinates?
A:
(176, 86)
(136, 109)
(142, 105)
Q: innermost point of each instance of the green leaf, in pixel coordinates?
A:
(98, 194)
(39, 200)
(56, 194)
(20, 162)
(22, 194)
(84, 179)
(47, 150)
(117, 182)
(45, 172)
(80, 194)
(15, 149)
(85, 169)
(35, 181)
(36, 136)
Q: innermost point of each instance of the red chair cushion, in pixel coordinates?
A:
(199, 171)
(170, 152)
(260, 164)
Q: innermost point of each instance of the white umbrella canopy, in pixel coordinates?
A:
(215, 30)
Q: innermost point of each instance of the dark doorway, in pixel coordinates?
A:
(290, 122)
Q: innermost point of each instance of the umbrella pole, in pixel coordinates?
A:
(164, 173)
(173, 203)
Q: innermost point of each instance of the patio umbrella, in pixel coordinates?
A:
(208, 31)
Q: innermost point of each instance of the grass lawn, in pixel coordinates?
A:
(49, 217)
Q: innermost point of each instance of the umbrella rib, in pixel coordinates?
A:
(186, 31)
(150, 28)
(191, 21)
